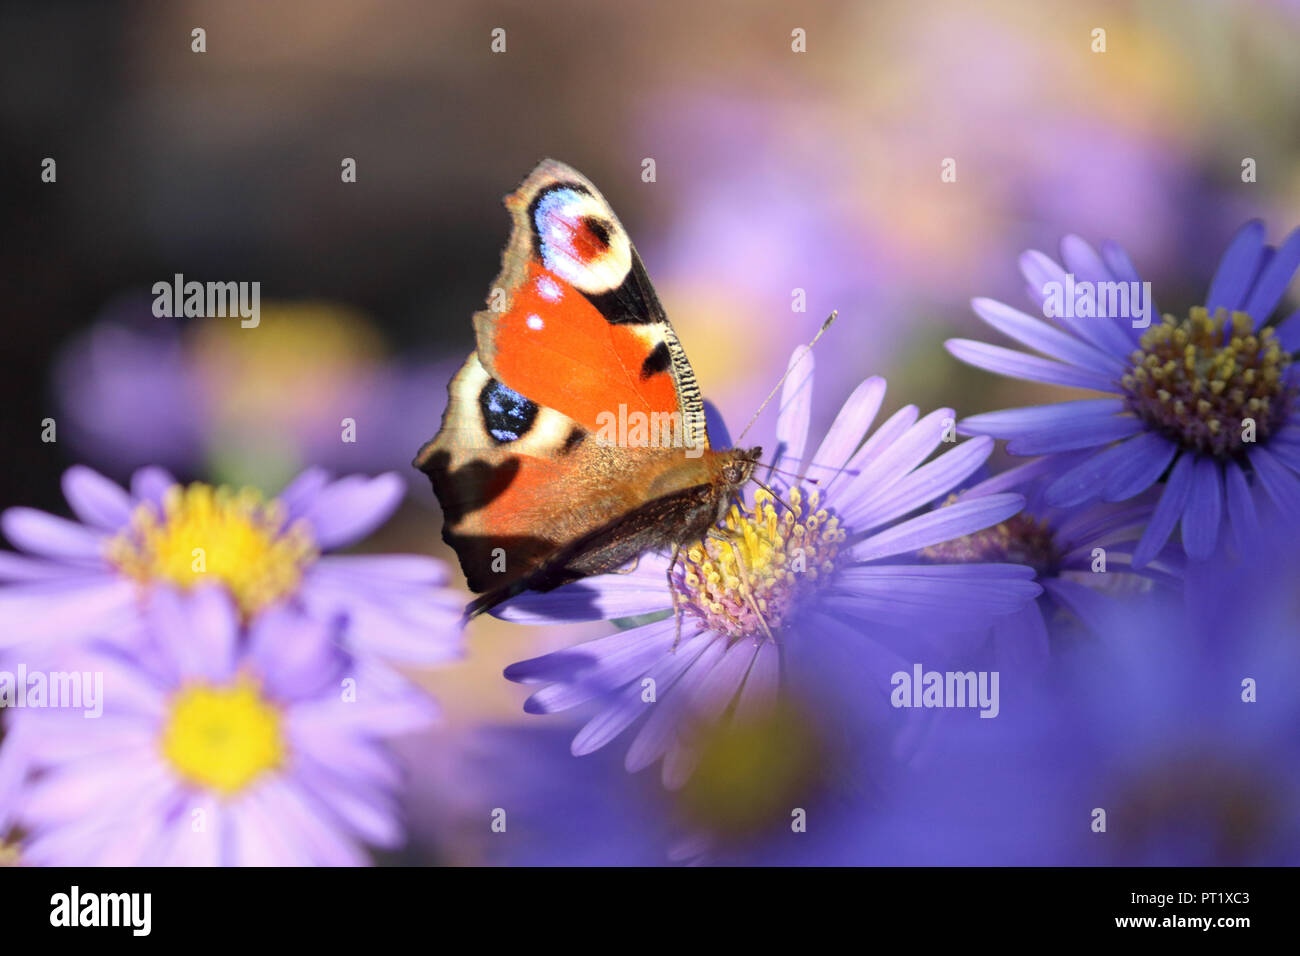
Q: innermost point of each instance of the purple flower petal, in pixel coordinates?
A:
(892, 463)
(762, 684)
(49, 536)
(1237, 268)
(660, 730)
(1013, 364)
(20, 567)
(1288, 332)
(1147, 458)
(351, 508)
(1113, 332)
(1093, 609)
(1051, 342)
(631, 704)
(1282, 484)
(1020, 639)
(1243, 518)
(1039, 269)
(1118, 262)
(1168, 510)
(845, 433)
(920, 487)
(96, 500)
(151, 484)
(593, 668)
(299, 493)
(601, 598)
(1081, 434)
(942, 524)
(71, 609)
(1018, 422)
(386, 570)
(717, 691)
(1204, 510)
(208, 618)
(960, 592)
(796, 408)
(1273, 280)
(1116, 473)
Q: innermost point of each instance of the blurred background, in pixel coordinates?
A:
(775, 171)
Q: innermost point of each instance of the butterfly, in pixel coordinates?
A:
(541, 468)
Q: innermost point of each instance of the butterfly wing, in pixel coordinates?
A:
(573, 321)
(574, 337)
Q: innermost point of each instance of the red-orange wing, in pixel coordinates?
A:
(573, 322)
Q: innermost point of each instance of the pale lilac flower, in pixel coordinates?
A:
(217, 745)
(834, 573)
(91, 576)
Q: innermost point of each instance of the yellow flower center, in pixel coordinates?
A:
(1198, 380)
(219, 535)
(747, 581)
(223, 737)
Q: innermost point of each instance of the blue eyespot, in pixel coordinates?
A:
(507, 415)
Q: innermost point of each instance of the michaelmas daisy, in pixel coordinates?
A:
(1205, 402)
(217, 745)
(825, 562)
(91, 576)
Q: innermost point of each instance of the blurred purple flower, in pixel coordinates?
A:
(834, 565)
(1080, 585)
(1150, 727)
(1183, 390)
(88, 577)
(216, 747)
(250, 405)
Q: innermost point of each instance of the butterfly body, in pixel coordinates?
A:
(540, 479)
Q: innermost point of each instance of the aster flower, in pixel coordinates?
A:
(91, 576)
(217, 746)
(828, 564)
(1082, 557)
(1183, 390)
(1153, 726)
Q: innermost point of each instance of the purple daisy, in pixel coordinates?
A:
(1083, 558)
(89, 577)
(1206, 402)
(217, 745)
(829, 559)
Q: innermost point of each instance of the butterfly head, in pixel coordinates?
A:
(738, 467)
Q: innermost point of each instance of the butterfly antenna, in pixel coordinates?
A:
(792, 474)
(820, 332)
(773, 494)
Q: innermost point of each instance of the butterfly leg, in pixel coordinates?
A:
(721, 535)
(677, 610)
(635, 562)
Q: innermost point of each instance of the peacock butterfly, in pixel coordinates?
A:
(574, 437)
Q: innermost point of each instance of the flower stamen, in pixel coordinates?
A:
(202, 533)
(223, 737)
(1198, 380)
(746, 579)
